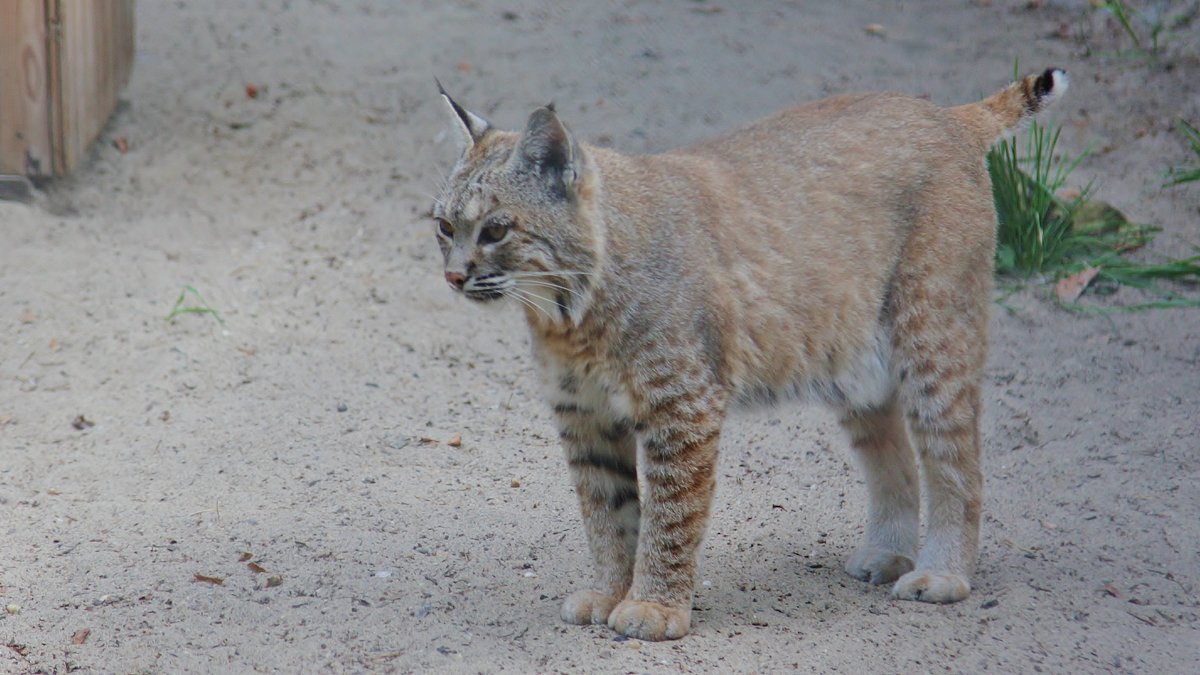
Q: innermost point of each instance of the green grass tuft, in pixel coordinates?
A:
(1156, 24)
(181, 308)
(1042, 233)
(1180, 175)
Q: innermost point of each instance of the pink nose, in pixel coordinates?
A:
(456, 279)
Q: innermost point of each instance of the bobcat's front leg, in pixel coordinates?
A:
(602, 456)
(677, 460)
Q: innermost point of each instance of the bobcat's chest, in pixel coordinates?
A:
(581, 381)
(578, 372)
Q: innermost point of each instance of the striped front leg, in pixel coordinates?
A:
(602, 456)
(678, 467)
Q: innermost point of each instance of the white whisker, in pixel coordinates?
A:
(521, 296)
(559, 273)
(546, 284)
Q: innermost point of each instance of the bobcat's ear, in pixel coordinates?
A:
(471, 127)
(549, 149)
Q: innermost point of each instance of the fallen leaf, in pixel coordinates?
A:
(1068, 289)
(251, 91)
(121, 144)
(428, 441)
(21, 650)
(81, 636)
(52, 492)
(875, 29)
(246, 555)
(455, 441)
(464, 67)
(216, 581)
(6, 420)
(1113, 591)
(256, 568)
(53, 344)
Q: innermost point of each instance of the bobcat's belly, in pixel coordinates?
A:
(866, 380)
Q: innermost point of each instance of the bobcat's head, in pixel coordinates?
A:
(513, 219)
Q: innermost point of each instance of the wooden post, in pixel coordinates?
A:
(24, 92)
(62, 65)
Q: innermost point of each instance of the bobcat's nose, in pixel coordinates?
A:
(456, 279)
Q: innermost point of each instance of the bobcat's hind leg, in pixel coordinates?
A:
(948, 445)
(602, 456)
(939, 316)
(944, 362)
(880, 443)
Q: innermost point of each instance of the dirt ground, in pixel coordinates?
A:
(309, 434)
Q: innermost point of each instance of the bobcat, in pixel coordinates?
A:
(840, 250)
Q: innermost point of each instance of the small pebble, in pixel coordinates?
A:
(988, 604)
(12, 609)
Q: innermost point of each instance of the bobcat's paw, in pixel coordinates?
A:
(878, 565)
(932, 586)
(588, 606)
(650, 620)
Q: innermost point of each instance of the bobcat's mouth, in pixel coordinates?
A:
(484, 294)
(486, 288)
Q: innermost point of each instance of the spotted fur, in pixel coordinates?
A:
(841, 250)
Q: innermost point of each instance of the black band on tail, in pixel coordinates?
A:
(1045, 83)
(1038, 89)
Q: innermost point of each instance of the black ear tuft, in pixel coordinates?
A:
(472, 126)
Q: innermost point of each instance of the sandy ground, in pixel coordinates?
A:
(297, 434)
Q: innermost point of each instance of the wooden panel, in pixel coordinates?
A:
(25, 146)
(91, 55)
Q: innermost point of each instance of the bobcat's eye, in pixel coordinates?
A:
(446, 228)
(494, 231)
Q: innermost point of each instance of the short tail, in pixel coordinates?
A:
(1016, 103)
